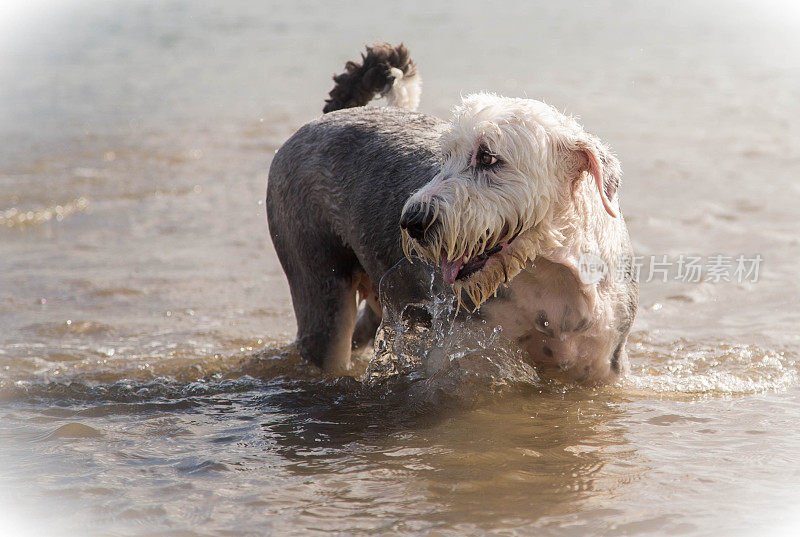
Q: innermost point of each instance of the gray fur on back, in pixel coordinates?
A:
(348, 174)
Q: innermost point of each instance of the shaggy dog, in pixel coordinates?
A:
(514, 201)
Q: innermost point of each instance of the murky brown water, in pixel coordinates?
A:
(138, 288)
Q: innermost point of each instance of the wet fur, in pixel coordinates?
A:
(338, 187)
(327, 221)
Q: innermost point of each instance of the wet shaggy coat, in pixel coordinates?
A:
(334, 197)
(344, 186)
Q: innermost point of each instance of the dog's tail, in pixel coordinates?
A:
(386, 70)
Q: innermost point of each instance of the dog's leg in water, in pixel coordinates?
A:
(323, 278)
(326, 316)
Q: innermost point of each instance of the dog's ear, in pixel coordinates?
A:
(604, 167)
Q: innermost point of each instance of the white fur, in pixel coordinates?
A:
(533, 191)
(541, 190)
(404, 92)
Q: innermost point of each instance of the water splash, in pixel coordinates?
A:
(418, 315)
(447, 353)
(423, 339)
(690, 368)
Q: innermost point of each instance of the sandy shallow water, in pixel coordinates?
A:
(144, 384)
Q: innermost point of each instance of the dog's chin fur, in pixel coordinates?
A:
(499, 269)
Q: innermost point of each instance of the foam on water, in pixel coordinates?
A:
(700, 368)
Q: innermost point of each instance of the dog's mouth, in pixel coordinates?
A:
(462, 268)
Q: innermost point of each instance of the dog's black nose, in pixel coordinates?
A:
(416, 220)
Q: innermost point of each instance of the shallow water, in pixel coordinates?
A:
(145, 383)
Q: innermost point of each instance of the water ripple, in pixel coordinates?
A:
(20, 218)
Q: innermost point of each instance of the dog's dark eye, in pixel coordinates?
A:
(484, 158)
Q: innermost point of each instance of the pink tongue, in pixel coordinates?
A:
(450, 270)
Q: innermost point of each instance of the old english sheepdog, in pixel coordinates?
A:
(509, 198)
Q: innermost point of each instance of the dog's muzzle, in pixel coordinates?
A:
(417, 221)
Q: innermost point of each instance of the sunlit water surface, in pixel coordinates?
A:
(146, 386)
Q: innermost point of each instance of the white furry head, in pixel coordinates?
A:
(511, 172)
